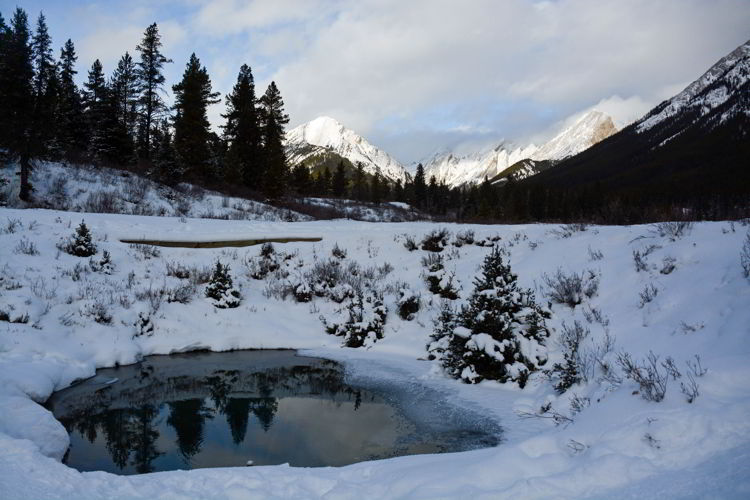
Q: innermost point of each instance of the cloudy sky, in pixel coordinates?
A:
(414, 76)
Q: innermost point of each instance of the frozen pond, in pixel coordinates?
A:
(195, 410)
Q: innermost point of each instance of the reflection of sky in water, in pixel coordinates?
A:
(297, 411)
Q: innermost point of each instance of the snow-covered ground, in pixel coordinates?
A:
(618, 445)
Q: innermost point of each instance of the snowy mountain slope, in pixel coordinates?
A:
(325, 134)
(454, 170)
(694, 144)
(713, 88)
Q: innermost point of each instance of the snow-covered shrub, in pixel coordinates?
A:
(651, 381)
(145, 252)
(667, 265)
(690, 387)
(436, 240)
(26, 247)
(182, 294)
(407, 303)
(647, 295)
(745, 257)
(177, 270)
(442, 332)
(595, 254)
(302, 292)
(99, 312)
(80, 243)
(672, 230)
(12, 226)
(571, 288)
(143, 325)
(571, 370)
(10, 314)
(104, 265)
(363, 321)
(264, 264)
(338, 252)
(409, 243)
(488, 241)
(103, 202)
(499, 334)
(220, 289)
(439, 280)
(568, 230)
(464, 238)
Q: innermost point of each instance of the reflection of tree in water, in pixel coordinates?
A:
(237, 411)
(118, 428)
(144, 438)
(264, 409)
(219, 388)
(188, 417)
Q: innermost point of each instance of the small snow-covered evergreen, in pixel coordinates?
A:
(80, 244)
(499, 335)
(220, 290)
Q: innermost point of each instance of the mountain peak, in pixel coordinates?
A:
(327, 135)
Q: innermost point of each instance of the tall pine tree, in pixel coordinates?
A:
(151, 84)
(125, 94)
(420, 188)
(338, 184)
(274, 158)
(193, 95)
(71, 128)
(96, 109)
(243, 161)
(45, 88)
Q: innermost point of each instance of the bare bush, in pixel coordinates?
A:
(145, 252)
(182, 294)
(648, 294)
(464, 238)
(651, 381)
(595, 254)
(338, 252)
(26, 247)
(668, 265)
(571, 288)
(673, 230)
(104, 202)
(178, 270)
(745, 257)
(12, 225)
(409, 243)
(568, 230)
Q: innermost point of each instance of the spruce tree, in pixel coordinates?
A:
(96, 109)
(274, 158)
(301, 180)
(18, 96)
(338, 184)
(359, 186)
(242, 132)
(500, 333)
(420, 188)
(71, 128)
(151, 84)
(220, 290)
(326, 182)
(193, 95)
(4, 76)
(375, 189)
(45, 88)
(165, 164)
(125, 89)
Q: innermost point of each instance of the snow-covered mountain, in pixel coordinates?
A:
(325, 135)
(456, 170)
(717, 86)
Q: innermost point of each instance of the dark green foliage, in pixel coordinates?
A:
(570, 371)
(338, 184)
(71, 136)
(364, 321)
(436, 240)
(439, 280)
(81, 244)
(242, 132)
(498, 335)
(193, 95)
(407, 303)
(221, 290)
(46, 88)
(420, 188)
(273, 119)
(151, 84)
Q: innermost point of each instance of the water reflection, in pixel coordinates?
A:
(223, 409)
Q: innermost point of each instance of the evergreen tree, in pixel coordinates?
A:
(242, 132)
(193, 95)
(398, 191)
(221, 290)
(45, 88)
(326, 182)
(125, 95)
(359, 187)
(274, 158)
(338, 184)
(80, 244)
(4, 77)
(151, 83)
(96, 109)
(301, 180)
(18, 97)
(376, 192)
(165, 164)
(499, 334)
(420, 188)
(71, 129)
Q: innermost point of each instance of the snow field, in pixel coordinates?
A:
(618, 444)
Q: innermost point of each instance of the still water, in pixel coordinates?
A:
(195, 410)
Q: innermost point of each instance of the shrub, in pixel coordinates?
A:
(571, 288)
(145, 252)
(651, 381)
(648, 294)
(302, 292)
(668, 265)
(104, 265)
(407, 304)
(436, 240)
(571, 371)
(182, 294)
(104, 202)
(672, 230)
(27, 247)
(220, 289)
(99, 312)
(745, 257)
(568, 230)
(464, 238)
(364, 321)
(80, 243)
(500, 333)
(409, 243)
(439, 280)
(338, 252)
(143, 325)
(595, 254)
(178, 270)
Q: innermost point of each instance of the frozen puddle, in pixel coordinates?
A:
(268, 407)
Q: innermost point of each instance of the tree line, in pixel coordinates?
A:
(123, 120)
